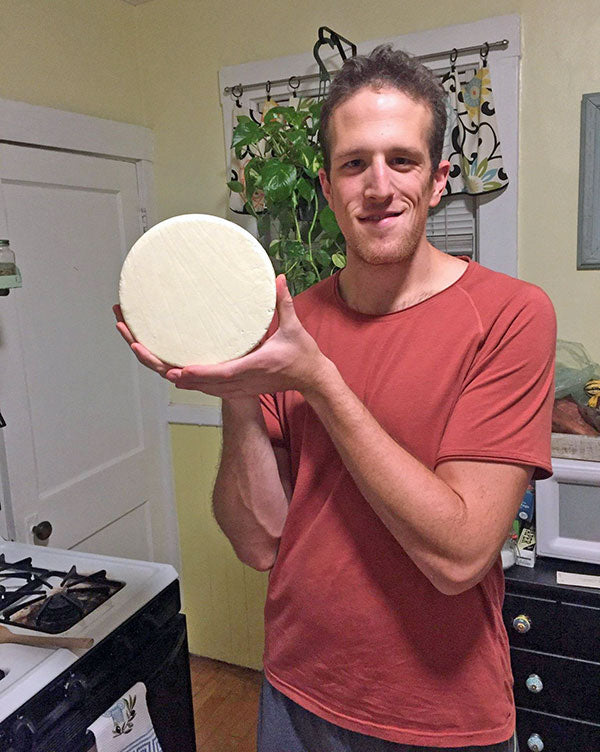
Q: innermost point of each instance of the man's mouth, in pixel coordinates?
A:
(379, 217)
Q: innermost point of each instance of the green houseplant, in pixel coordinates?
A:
(279, 186)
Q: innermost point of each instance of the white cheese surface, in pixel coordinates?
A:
(197, 289)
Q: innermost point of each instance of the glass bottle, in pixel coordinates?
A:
(7, 260)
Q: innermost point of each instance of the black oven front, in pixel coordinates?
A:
(150, 647)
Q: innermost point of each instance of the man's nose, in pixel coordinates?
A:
(379, 186)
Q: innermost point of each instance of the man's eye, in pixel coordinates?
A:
(401, 161)
(353, 163)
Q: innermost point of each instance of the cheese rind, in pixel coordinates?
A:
(197, 289)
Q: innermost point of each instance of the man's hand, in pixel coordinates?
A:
(289, 359)
(142, 353)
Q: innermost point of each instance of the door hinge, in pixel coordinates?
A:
(144, 218)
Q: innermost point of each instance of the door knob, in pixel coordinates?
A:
(42, 531)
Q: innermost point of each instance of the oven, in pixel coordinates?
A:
(49, 696)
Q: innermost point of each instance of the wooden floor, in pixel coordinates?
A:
(225, 705)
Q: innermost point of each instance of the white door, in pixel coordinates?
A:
(81, 429)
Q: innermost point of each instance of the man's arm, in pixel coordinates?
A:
(253, 485)
(451, 522)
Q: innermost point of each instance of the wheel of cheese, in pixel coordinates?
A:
(197, 289)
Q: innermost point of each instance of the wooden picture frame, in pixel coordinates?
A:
(588, 230)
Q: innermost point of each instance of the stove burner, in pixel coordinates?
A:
(49, 600)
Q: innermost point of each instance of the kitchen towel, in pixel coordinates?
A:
(126, 726)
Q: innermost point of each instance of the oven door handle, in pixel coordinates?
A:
(172, 654)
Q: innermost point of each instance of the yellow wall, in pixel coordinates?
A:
(76, 55)
(223, 598)
(157, 64)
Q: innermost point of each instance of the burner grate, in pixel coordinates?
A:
(49, 600)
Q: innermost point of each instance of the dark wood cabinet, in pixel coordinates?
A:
(554, 633)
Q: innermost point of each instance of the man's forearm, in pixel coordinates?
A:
(249, 501)
(429, 519)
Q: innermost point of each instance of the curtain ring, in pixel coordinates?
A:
(237, 92)
(484, 52)
(268, 88)
(294, 83)
(453, 56)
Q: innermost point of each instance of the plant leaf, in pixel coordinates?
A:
(278, 180)
(263, 224)
(339, 260)
(329, 222)
(280, 113)
(293, 249)
(305, 189)
(235, 186)
(246, 132)
(252, 176)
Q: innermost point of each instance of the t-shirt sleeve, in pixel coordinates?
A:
(504, 410)
(273, 422)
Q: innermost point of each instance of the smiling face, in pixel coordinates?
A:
(381, 184)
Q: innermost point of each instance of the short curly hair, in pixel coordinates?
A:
(386, 67)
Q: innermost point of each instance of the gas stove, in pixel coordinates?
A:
(49, 600)
(128, 608)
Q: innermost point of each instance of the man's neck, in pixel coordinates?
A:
(377, 289)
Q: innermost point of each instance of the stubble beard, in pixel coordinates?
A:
(393, 250)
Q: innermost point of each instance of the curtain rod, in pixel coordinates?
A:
(500, 45)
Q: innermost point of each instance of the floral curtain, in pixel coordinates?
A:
(471, 143)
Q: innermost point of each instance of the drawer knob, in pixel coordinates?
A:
(535, 744)
(522, 623)
(534, 683)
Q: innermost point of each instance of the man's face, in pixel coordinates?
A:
(380, 184)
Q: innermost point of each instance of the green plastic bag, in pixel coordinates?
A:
(574, 369)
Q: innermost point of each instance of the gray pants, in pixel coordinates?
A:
(284, 726)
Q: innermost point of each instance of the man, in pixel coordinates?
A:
(405, 405)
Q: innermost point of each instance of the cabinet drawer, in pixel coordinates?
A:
(569, 687)
(557, 734)
(580, 627)
(562, 628)
(543, 616)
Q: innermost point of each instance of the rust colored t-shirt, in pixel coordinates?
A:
(355, 632)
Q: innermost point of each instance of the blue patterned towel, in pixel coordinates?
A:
(126, 726)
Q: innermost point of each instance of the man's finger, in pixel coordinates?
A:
(285, 304)
(125, 333)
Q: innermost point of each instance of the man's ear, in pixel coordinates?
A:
(325, 185)
(439, 178)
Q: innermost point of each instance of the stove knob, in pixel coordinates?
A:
(23, 732)
(75, 689)
(42, 531)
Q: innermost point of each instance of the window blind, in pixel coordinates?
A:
(452, 226)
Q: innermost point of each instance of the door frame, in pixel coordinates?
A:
(44, 127)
